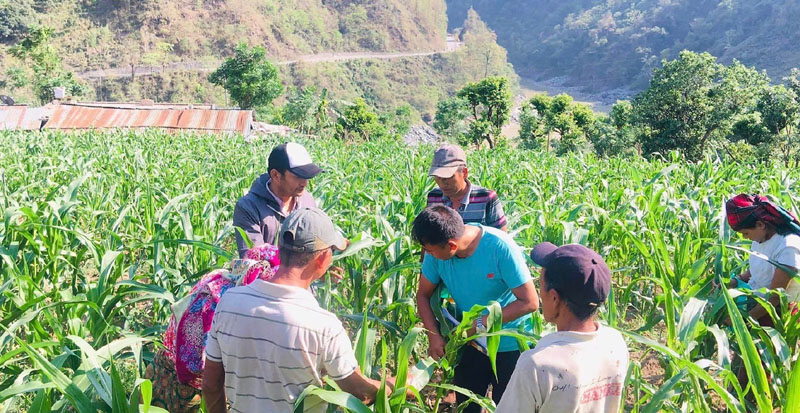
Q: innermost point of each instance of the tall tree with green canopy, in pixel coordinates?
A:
(489, 103)
(543, 116)
(249, 78)
(692, 98)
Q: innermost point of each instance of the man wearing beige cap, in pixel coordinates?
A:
(474, 203)
(270, 339)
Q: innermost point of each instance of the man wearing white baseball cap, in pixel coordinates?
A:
(274, 195)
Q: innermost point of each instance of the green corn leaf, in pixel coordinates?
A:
(793, 389)
(62, 382)
(752, 362)
(692, 312)
(664, 393)
(337, 398)
(494, 324)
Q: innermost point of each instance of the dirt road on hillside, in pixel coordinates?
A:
(207, 66)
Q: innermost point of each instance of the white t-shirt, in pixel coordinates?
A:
(785, 249)
(273, 341)
(569, 371)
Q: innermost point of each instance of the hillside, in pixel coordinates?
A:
(109, 33)
(609, 44)
(384, 84)
(195, 35)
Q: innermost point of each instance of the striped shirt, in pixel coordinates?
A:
(273, 341)
(479, 206)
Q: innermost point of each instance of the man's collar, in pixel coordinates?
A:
(465, 200)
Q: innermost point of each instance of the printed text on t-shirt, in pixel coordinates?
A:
(600, 392)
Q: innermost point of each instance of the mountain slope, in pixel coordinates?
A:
(107, 33)
(617, 43)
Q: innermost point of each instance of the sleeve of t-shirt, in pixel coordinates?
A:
(430, 270)
(494, 212)
(790, 255)
(339, 359)
(513, 268)
(213, 352)
(522, 392)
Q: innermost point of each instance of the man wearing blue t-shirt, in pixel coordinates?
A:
(477, 264)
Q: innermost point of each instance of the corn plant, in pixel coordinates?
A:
(102, 232)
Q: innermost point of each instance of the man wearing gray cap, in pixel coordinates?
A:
(270, 339)
(474, 203)
(582, 366)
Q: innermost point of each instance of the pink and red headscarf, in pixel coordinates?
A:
(744, 210)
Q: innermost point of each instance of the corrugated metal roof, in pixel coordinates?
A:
(21, 118)
(69, 117)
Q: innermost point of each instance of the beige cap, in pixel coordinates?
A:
(446, 161)
(308, 230)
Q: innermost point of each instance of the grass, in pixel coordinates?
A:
(101, 231)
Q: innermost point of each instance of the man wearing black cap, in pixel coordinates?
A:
(274, 195)
(582, 366)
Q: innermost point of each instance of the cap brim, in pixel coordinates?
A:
(540, 253)
(339, 242)
(306, 171)
(443, 171)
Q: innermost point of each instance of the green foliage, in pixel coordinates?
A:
(249, 78)
(104, 230)
(398, 121)
(37, 50)
(691, 101)
(451, 118)
(358, 121)
(489, 103)
(16, 16)
(306, 110)
(542, 116)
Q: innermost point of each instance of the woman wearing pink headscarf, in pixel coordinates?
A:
(177, 369)
(774, 232)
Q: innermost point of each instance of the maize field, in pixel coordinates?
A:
(102, 231)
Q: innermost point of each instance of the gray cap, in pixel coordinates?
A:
(308, 230)
(446, 161)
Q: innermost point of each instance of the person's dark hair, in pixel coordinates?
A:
(581, 311)
(295, 259)
(436, 225)
(281, 171)
(750, 222)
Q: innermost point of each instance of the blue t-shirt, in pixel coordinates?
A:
(496, 266)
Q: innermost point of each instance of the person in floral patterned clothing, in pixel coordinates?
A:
(177, 369)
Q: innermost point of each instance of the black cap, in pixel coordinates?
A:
(576, 272)
(293, 157)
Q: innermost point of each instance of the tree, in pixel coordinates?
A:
(489, 103)
(544, 116)
(48, 72)
(359, 121)
(779, 109)
(16, 16)
(451, 115)
(248, 77)
(793, 81)
(692, 98)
